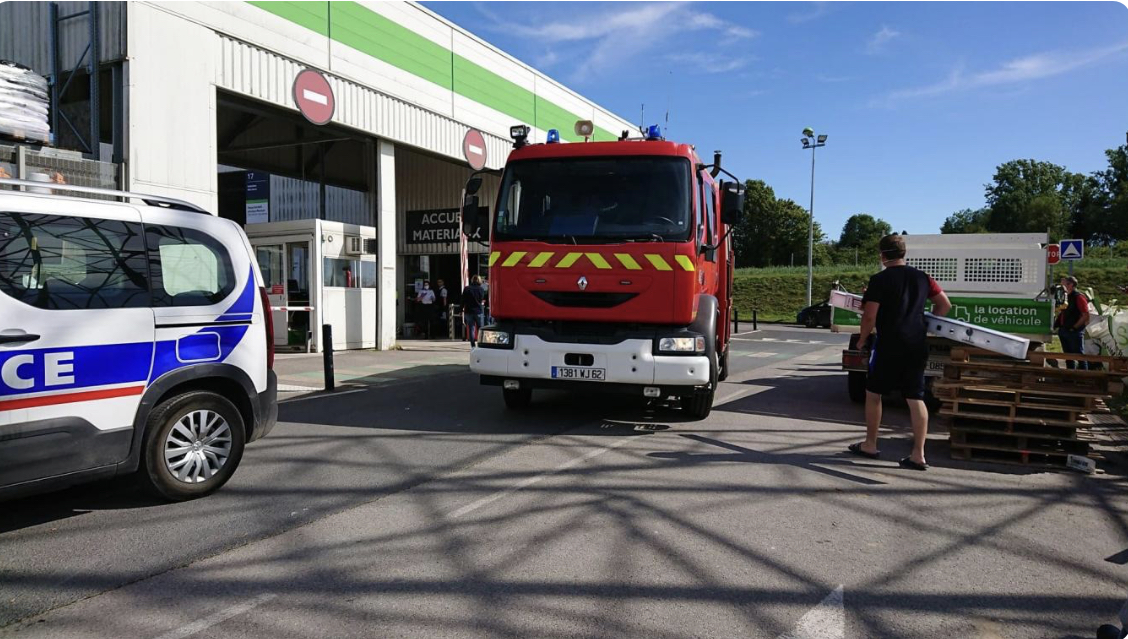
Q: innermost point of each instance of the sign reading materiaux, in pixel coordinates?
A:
(438, 225)
(314, 97)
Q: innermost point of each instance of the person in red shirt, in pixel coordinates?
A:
(1072, 320)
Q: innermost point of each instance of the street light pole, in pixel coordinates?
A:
(812, 142)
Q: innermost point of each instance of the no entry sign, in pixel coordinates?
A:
(474, 149)
(314, 97)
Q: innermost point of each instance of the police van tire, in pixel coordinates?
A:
(215, 416)
(517, 399)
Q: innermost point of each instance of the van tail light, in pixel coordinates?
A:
(268, 320)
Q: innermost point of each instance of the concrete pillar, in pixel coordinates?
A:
(386, 244)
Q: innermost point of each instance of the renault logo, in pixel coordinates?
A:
(582, 283)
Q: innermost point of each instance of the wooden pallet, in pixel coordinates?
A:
(1014, 419)
(1051, 431)
(1027, 459)
(1086, 401)
(1017, 442)
(1014, 410)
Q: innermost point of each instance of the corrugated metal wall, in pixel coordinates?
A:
(426, 183)
(25, 33)
(254, 72)
(292, 199)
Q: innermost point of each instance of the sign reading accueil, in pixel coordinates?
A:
(439, 225)
(258, 197)
(1072, 249)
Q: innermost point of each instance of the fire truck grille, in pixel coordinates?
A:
(584, 300)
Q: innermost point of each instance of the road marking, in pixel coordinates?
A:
(217, 618)
(335, 394)
(485, 501)
(825, 621)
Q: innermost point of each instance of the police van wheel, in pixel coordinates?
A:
(192, 445)
(517, 399)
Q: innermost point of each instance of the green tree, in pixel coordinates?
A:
(863, 231)
(1029, 196)
(967, 221)
(1110, 214)
(771, 229)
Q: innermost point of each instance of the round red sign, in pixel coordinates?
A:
(474, 149)
(1053, 253)
(314, 97)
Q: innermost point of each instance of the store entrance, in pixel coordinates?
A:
(285, 270)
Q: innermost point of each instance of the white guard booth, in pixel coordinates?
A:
(319, 272)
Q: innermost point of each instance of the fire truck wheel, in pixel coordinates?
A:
(722, 367)
(856, 384)
(700, 403)
(517, 399)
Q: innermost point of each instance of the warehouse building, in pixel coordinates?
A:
(347, 179)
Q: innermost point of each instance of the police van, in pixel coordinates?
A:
(135, 337)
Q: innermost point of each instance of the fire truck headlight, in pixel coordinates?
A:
(495, 338)
(682, 344)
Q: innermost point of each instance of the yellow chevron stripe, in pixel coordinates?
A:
(628, 262)
(493, 257)
(568, 260)
(685, 262)
(598, 260)
(658, 262)
(513, 258)
(541, 259)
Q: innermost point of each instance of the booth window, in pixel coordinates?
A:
(188, 267)
(344, 273)
(62, 262)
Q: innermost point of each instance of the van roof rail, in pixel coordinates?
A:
(151, 200)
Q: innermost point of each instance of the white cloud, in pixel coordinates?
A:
(1028, 68)
(712, 63)
(818, 10)
(878, 41)
(615, 37)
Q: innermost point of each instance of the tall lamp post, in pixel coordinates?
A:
(812, 142)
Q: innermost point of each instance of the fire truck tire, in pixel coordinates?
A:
(517, 399)
(722, 367)
(856, 385)
(700, 403)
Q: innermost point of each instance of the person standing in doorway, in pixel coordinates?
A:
(894, 305)
(1072, 320)
(442, 299)
(426, 301)
(472, 297)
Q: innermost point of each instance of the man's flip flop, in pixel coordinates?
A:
(857, 450)
(912, 465)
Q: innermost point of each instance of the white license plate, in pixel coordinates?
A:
(935, 368)
(587, 374)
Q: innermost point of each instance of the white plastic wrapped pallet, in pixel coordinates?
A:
(23, 103)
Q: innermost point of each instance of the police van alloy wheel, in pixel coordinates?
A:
(193, 443)
(518, 398)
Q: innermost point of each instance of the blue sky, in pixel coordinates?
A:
(920, 100)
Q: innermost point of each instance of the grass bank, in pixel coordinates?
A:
(777, 293)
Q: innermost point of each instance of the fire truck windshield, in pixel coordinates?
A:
(609, 199)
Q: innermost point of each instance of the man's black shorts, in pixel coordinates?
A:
(897, 367)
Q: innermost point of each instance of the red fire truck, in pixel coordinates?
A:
(610, 269)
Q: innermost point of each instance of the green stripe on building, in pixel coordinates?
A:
(356, 26)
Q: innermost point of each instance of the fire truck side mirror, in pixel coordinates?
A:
(732, 202)
(473, 185)
(470, 214)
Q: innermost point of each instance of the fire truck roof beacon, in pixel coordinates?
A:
(654, 132)
(553, 136)
(520, 134)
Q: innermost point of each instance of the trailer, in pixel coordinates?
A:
(995, 281)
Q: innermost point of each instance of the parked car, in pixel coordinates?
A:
(815, 315)
(135, 337)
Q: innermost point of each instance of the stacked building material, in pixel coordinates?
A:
(1025, 412)
(23, 104)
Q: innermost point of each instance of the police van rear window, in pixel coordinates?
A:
(188, 267)
(60, 262)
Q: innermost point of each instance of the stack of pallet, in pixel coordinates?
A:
(1024, 412)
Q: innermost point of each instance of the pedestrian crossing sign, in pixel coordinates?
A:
(1072, 249)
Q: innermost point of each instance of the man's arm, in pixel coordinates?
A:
(869, 320)
(1083, 306)
(940, 304)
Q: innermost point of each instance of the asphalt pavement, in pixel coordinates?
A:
(412, 503)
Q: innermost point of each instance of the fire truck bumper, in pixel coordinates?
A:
(546, 364)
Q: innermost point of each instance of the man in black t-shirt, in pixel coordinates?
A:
(894, 304)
